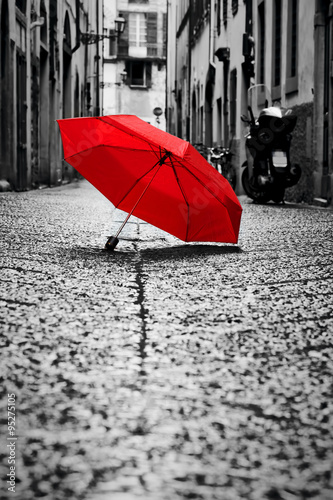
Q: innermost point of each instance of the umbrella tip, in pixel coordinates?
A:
(111, 244)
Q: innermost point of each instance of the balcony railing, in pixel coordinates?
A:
(156, 50)
(153, 50)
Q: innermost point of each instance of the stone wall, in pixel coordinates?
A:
(301, 152)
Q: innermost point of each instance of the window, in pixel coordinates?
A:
(21, 36)
(277, 45)
(291, 81)
(225, 11)
(139, 38)
(165, 25)
(43, 30)
(22, 5)
(233, 101)
(137, 29)
(138, 73)
(197, 15)
(261, 44)
(293, 37)
(218, 16)
(122, 40)
(152, 33)
(112, 43)
(234, 7)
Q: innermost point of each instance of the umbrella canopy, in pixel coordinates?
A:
(158, 177)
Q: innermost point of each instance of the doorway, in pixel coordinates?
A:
(21, 123)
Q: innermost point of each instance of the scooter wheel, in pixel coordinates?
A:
(256, 194)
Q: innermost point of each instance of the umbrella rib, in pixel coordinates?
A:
(155, 152)
(135, 183)
(183, 193)
(139, 179)
(200, 182)
(204, 185)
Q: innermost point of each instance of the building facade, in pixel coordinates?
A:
(134, 78)
(217, 49)
(49, 69)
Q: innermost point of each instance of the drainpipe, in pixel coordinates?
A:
(97, 61)
(166, 114)
(188, 124)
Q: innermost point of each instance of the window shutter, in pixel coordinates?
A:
(123, 38)
(164, 35)
(112, 46)
(152, 27)
(148, 74)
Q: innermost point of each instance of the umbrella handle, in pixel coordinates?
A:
(111, 243)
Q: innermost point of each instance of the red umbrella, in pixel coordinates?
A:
(153, 175)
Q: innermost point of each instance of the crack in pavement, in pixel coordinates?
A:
(141, 302)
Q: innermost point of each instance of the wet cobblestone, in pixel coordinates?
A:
(165, 370)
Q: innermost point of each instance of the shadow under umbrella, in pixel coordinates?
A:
(188, 251)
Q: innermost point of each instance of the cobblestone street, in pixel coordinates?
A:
(165, 370)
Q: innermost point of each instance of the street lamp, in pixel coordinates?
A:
(90, 38)
(120, 25)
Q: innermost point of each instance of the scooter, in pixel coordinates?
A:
(268, 170)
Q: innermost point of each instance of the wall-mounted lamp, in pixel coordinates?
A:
(120, 25)
(123, 76)
(90, 38)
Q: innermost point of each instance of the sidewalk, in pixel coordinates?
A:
(165, 370)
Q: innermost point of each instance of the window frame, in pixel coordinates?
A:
(261, 42)
(140, 23)
(147, 70)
